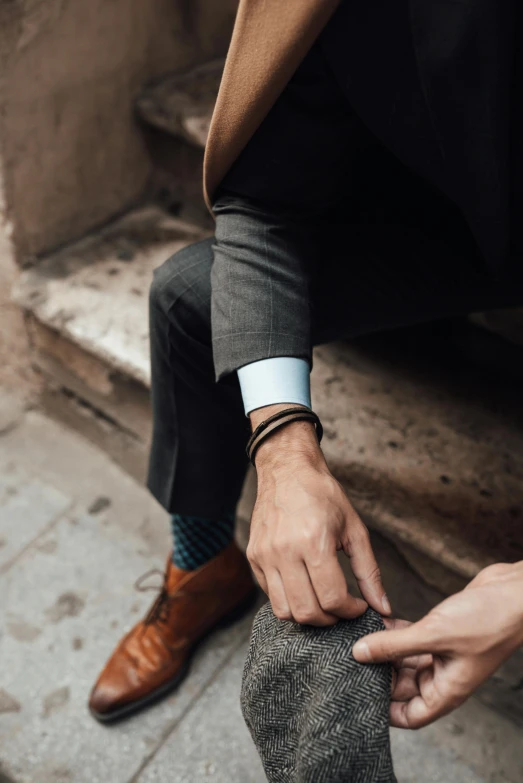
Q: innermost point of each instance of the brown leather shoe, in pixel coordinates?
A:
(153, 658)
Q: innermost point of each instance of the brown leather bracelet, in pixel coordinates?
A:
(276, 422)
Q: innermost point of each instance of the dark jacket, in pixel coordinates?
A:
(410, 109)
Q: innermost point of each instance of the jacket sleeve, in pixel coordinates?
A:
(270, 212)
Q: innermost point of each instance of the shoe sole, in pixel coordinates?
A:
(157, 695)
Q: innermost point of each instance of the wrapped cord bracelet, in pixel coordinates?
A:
(276, 422)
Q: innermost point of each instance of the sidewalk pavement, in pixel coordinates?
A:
(75, 533)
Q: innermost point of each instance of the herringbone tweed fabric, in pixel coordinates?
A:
(315, 714)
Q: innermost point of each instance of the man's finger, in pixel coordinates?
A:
(330, 586)
(366, 570)
(415, 661)
(416, 713)
(413, 714)
(260, 577)
(410, 661)
(406, 686)
(277, 595)
(301, 596)
(391, 645)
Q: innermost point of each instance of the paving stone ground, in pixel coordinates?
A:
(75, 533)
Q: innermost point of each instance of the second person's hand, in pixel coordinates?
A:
(445, 656)
(301, 518)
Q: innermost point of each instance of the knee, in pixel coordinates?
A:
(166, 283)
(181, 286)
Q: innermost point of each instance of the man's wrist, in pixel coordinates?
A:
(296, 442)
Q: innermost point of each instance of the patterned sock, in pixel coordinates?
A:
(197, 540)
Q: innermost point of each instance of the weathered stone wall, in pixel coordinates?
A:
(71, 152)
(74, 154)
(15, 365)
(16, 374)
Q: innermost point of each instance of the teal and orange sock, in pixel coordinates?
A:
(197, 539)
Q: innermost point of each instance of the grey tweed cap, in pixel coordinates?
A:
(314, 713)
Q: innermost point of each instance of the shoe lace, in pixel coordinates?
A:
(159, 611)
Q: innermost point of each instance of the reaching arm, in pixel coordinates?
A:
(269, 214)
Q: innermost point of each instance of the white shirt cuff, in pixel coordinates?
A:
(277, 380)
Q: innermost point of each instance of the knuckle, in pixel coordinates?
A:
(306, 540)
(309, 534)
(257, 553)
(305, 617)
(264, 552)
(252, 554)
(296, 545)
(281, 545)
(375, 575)
(332, 603)
(282, 614)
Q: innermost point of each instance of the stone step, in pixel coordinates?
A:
(430, 449)
(87, 311)
(505, 323)
(431, 453)
(182, 103)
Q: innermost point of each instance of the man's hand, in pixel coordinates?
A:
(302, 517)
(444, 657)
